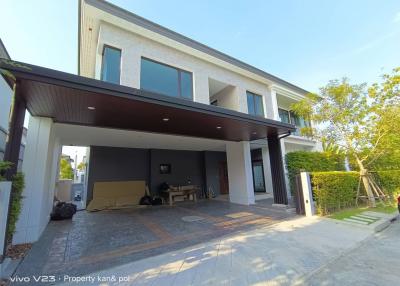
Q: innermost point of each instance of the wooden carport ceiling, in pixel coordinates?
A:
(66, 98)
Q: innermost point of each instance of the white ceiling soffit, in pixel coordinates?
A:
(95, 136)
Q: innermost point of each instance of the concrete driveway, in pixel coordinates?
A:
(376, 262)
(93, 242)
(280, 254)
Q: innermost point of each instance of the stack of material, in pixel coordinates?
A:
(116, 195)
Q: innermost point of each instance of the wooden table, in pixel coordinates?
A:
(187, 192)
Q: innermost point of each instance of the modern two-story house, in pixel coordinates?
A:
(148, 97)
(123, 48)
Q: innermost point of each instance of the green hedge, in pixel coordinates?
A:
(389, 181)
(18, 185)
(311, 162)
(334, 190)
(337, 190)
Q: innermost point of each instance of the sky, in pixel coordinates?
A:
(305, 42)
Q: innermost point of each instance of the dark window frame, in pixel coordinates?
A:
(102, 62)
(179, 70)
(254, 103)
(290, 112)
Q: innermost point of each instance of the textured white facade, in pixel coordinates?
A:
(214, 80)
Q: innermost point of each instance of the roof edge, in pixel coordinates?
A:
(154, 27)
(46, 75)
(3, 47)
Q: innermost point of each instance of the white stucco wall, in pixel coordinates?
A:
(40, 168)
(134, 47)
(228, 98)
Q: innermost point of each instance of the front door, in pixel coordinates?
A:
(223, 178)
(258, 177)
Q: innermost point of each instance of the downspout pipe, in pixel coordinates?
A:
(285, 135)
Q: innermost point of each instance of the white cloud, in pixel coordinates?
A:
(396, 18)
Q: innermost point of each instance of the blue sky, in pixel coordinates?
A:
(305, 42)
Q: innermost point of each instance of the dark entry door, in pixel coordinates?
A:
(223, 178)
(258, 176)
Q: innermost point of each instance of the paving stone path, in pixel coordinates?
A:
(363, 218)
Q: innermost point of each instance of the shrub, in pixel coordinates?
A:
(312, 162)
(18, 185)
(333, 191)
(389, 181)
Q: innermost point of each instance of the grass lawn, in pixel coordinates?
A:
(355, 211)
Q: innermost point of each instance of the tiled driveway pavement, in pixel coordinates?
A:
(96, 241)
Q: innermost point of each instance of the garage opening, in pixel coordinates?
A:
(72, 176)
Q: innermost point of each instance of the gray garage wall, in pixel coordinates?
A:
(119, 164)
(116, 164)
(185, 166)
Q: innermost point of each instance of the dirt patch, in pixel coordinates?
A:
(18, 251)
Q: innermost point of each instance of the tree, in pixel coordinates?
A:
(81, 166)
(360, 120)
(66, 171)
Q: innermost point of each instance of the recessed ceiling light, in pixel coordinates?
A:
(219, 127)
(91, 108)
(165, 119)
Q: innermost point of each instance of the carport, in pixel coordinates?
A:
(55, 98)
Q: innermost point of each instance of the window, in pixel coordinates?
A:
(165, 79)
(111, 65)
(298, 121)
(290, 117)
(255, 104)
(284, 115)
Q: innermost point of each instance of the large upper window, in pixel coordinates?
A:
(255, 104)
(111, 65)
(165, 79)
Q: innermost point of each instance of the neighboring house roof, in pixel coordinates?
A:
(3, 51)
(135, 19)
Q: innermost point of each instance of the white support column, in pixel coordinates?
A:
(272, 105)
(241, 189)
(201, 88)
(40, 167)
(309, 207)
(283, 148)
(267, 170)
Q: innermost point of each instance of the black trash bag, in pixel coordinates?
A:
(146, 200)
(156, 202)
(163, 187)
(63, 211)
